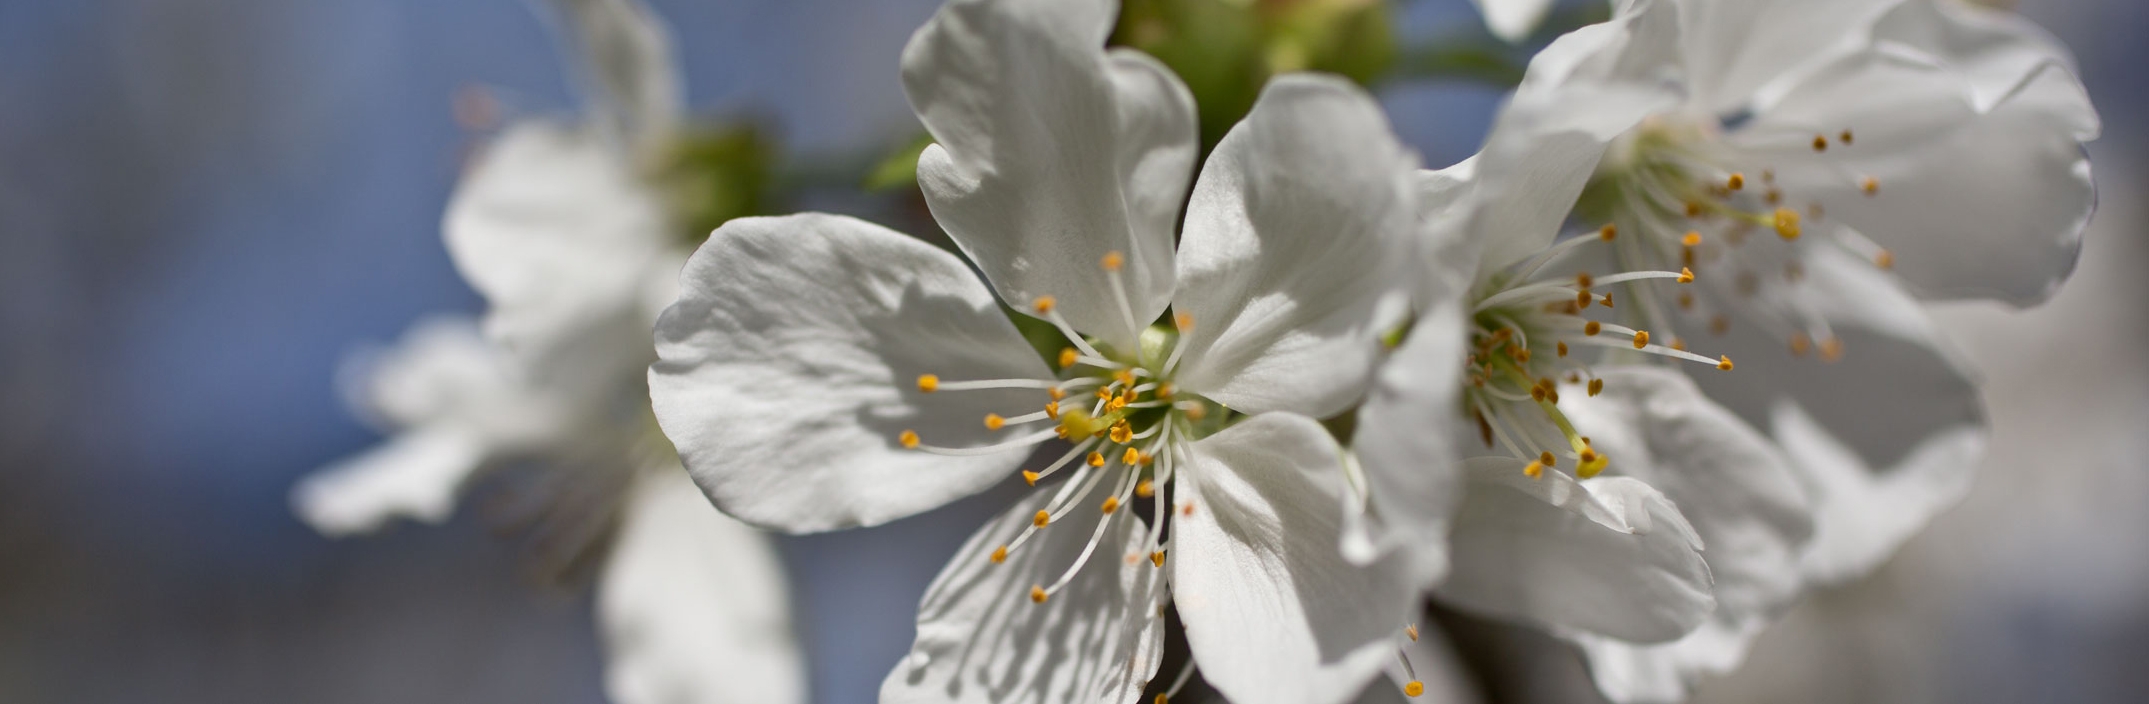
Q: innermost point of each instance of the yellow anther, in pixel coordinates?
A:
(1030, 477)
(1608, 232)
(1145, 489)
(1693, 209)
(1582, 299)
(1537, 393)
(1104, 392)
(1846, 137)
(1161, 699)
(1067, 357)
(1678, 343)
(1195, 412)
(993, 421)
(1056, 393)
(1117, 402)
(1130, 457)
(1870, 185)
(1534, 470)
(1184, 321)
(1724, 363)
(1562, 349)
(1125, 377)
(1038, 595)
(999, 554)
(1411, 631)
(908, 438)
(928, 383)
(1736, 182)
(1157, 558)
(1521, 354)
(1414, 688)
(1590, 464)
(1052, 410)
(1686, 275)
(1592, 328)
(1831, 349)
(1113, 260)
(1042, 519)
(1128, 395)
(1146, 459)
(1606, 301)
(1186, 509)
(1786, 222)
(1800, 344)
(1641, 339)
(1502, 335)
(1719, 325)
(1582, 280)
(1692, 238)
(1884, 259)
(1044, 304)
(1596, 386)
(1096, 459)
(1165, 389)
(1546, 459)
(1111, 503)
(1820, 143)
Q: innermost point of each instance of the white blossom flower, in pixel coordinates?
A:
(820, 372)
(1552, 397)
(1817, 167)
(559, 229)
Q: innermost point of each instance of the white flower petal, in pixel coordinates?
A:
(1738, 492)
(692, 604)
(1631, 673)
(1637, 46)
(1867, 512)
(1295, 249)
(1971, 203)
(1052, 153)
(1608, 555)
(1737, 50)
(627, 65)
(1993, 49)
(414, 475)
(1273, 612)
(1413, 482)
(982, 640)
(1513, 20)
(1896, 388)
(1730, 483)
(788, 370)
(556, 231)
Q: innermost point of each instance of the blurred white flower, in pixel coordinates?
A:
(820, 372)
(1790, 155)
(1513, 20)
(559, 228)
(1555, 398)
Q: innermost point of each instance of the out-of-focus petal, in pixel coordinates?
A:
(414, 475)
(557, 232)
(788, 372)
(1513, 20)
(628, 67)
(693, 605)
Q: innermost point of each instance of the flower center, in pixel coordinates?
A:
(1125, 419)
(1687, 195)
(1523, 332)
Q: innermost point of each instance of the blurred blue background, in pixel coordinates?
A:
(205, 204)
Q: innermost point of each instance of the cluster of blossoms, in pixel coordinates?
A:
(1279, 394)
